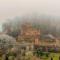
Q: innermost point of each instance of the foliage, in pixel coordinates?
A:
(6, 42)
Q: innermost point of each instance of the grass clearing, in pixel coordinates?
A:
(55, 56)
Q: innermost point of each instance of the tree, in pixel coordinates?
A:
(6, 42)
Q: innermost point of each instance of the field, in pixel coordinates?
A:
(55, 56)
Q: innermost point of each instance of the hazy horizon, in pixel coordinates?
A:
(13, 8)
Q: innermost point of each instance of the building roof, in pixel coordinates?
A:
(48, 36)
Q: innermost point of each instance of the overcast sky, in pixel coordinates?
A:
(13, 8)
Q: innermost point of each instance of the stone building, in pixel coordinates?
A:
(29, 34)
(49, 40)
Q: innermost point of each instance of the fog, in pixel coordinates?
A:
(9, 9)
(13, 8)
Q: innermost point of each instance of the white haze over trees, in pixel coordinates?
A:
(44, 23)
(41, 10)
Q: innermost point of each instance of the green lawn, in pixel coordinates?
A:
(55, 56)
